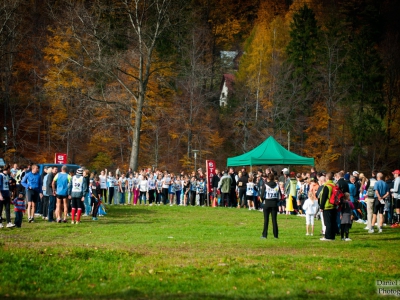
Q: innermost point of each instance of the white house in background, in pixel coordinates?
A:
(226, 88)
(228, 58)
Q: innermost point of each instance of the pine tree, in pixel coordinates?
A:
(301, 49)
(365, 73)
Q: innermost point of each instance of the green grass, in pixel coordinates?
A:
(167, 252)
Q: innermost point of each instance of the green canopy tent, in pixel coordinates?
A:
(270, 152)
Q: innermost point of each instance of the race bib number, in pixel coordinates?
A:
(77, 184)
(271, 193)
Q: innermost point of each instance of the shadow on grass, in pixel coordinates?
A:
(126, 221)
(120, 212)
(135, 294)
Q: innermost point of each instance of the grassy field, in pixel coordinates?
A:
(167, 252)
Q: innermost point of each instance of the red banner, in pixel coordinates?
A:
(60, 158)
(210, 167)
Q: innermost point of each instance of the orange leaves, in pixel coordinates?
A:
(320, 142)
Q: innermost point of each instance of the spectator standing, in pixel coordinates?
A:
(110, 187)
(5, 200)
(232, 195)
(50, 192)
(242, 185)
(381, 192)
(77, 189)
(396, 197)
(32, 182)
(214, 183)
(224, 185)
(388, 201)
(310, 206)
(270, 193)
(46, 196)
(370, 199)
(103, 185)
(60, 190)
(345, 217)
(328, 210)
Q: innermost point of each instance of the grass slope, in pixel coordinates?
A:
(167, 252)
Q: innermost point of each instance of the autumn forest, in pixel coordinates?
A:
(137, 83)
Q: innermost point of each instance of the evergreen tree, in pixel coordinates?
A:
(301, 49)
(365, 74)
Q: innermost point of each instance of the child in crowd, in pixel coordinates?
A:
(250, 186)
(95, 198)
(193, 189)
(345, 217)
(282, 200)
(310, 206)
(201, 191)
(19, 209)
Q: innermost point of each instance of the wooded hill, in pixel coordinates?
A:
(137, 83)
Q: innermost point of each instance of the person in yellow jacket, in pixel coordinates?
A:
(291, 192)
(327, 209)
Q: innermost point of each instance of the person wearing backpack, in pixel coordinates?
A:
(327, 209)
(370, 199)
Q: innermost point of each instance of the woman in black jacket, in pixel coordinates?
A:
(242, 185)
(270, 193)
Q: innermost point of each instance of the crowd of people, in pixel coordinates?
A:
(55, 196)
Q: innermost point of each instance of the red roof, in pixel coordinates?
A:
(229, 79)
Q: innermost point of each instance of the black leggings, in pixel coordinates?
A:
(103, 195)
(110, 194)
(344, 230)
(202, 197)
(192, 198)
(151, 196)
(165, 195)
(141, 196)
(159, 197)
(242, 197)
(45, 206)
(273, 211)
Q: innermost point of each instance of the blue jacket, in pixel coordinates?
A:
(33, 182)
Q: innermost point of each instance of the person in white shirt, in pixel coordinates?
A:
(130, 188)
(166, 181)
(310, 206)
(152, 188)
(143, 188)
(103, 185)
(135, 188)
(122, 188)
(110, 186)
(250, 193)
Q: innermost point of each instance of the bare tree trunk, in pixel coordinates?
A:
(133, 163)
